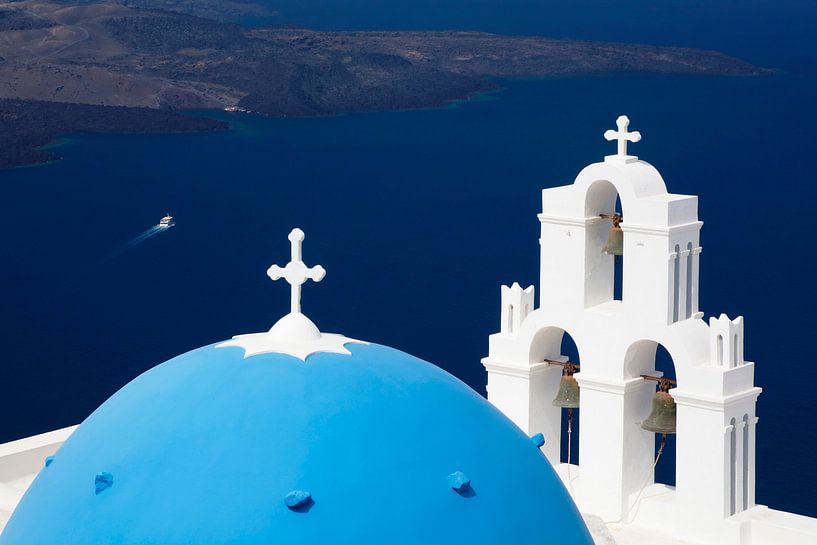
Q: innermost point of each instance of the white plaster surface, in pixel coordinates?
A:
(20, 462)
(714, 501)
(263, 343)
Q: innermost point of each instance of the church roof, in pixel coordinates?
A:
(209, 448)
(296, 436)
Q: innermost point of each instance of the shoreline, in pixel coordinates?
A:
(34, 131)
(218, 120)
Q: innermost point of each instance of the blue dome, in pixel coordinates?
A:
(208, 447)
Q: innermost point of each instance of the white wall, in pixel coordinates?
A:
(617, 342)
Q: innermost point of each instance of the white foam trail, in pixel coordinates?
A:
(142, 237)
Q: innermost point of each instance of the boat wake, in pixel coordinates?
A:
(140, 238)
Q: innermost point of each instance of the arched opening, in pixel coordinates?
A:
(546, 344)
(720, 349)
(650, 358)
(604, 275)
(554, 344)
(665, 469)
(570, 442)
(618, 264)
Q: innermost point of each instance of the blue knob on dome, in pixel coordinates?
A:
(459, 481)
(49, 460)
(298, 499)
(102, 481)
(538, 440)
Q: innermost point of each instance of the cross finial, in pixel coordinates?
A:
(293, 334)
(295, 272)
(623, 122)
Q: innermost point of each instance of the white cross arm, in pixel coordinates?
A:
(634, 136)
(622, 135)
(296, 272)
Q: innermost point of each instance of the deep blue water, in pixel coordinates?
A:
(420, 216)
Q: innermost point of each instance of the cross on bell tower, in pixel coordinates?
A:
(296, 272)
(623, 136)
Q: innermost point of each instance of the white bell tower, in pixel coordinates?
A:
(617, 342)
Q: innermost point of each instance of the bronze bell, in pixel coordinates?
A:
(568, 396)
(664, 414)
(615, 239)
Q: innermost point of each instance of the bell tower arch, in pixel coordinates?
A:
(714, 399)
(600, 266)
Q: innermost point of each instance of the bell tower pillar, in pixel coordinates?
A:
(716, 460)
(615, 454)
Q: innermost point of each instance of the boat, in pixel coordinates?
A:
(167, 221)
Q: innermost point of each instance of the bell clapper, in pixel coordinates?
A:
(660, 448)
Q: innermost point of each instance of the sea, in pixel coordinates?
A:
(420, 216)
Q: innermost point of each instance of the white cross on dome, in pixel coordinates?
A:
(296, 272)
(293, 334)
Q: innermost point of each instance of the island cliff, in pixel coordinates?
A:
(113, 54)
